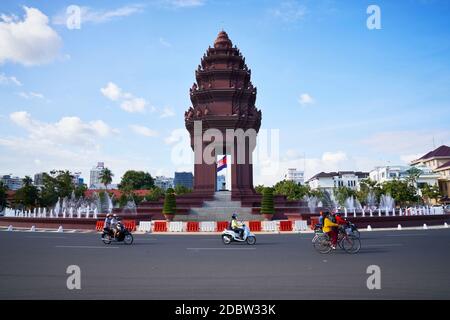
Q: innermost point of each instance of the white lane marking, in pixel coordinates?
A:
(43, 237)
(221, 248)
(383, 245)
(86, 247)
(406, 235)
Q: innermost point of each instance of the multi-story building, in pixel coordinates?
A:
(439, 161)
(38, 180)
(163, 182)
(184, 179)
(295, 175)
(12, 183)
(400, 172)
(328, 181)
(94, 177)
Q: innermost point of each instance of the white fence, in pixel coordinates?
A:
(176, 226)
(145, 226)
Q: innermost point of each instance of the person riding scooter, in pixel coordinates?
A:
(236, 226)
(114, 221)
(107, 223)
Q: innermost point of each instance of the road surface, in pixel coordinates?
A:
(414, 265)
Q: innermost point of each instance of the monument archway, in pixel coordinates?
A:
(223, 101)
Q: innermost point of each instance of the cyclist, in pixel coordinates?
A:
(329, 227)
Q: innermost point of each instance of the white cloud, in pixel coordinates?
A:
(407, 142)
(128, 101)
(31, 95)
(134, 105)
(184, 3)
(289, 11)
(90, 15)
(167, 112)
(334, 157)
(30, 41)
(327, 162)
(6, 80)
(68, 130)
(144, 131)
(306, 99)
(111, 91)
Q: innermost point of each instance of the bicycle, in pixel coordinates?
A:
(348, 242)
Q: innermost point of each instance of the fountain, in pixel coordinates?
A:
(312, 203)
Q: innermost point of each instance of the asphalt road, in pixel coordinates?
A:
(414, 265)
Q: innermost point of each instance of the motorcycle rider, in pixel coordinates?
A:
(107, 223)
(114, 222)
(236, 226)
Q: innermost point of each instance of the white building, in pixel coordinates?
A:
(295, 175)
(12, 183)
(328, 181)
(163, 182)
(400, 172)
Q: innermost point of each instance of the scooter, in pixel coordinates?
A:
(228, 236)
(125, 236)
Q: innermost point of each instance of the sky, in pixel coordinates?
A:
(338, 95)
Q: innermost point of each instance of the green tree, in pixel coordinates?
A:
(28, 195)
(155, 194)
(413, 175)
(291, 190)
(365, 187)
(180, 189)
(342, 193)
(106, 177)
(169, 206)
(57, 183)
(136, 180)
(259, 188)
(403, 192)
(267, 205)
(3, 196)
(430, 193)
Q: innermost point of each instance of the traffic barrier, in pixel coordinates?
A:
(285, 225)
(425, 226)
(130, 224)
(222, 225)
(99, 225)
(207, 226)
(269, 226)
(399, 227)
(60, 229)
(193, 226)
(160, 226)
(300, 225)
(254, 226)
(10, 228)
(175, 226)
(145, 226)
(33, 229)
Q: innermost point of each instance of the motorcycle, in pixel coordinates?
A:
(124, 236)
(229, 236)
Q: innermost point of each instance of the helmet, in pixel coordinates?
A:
(115, 215)
(108, 215)
(234, 216)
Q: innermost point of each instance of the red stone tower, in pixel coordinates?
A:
(223, 97)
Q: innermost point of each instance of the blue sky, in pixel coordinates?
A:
(343, 97)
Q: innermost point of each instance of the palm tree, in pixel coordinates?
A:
(106, 177)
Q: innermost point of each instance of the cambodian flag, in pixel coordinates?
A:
(222, 163)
